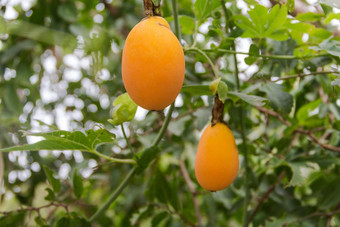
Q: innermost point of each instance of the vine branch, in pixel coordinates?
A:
(265, 196)
(37, 209)
(216, 74)
(192, 191)
(315, 214)
(281, 57)
(309, 133)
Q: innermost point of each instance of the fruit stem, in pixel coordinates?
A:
(151, 9)
(148, 7)
(229, 28)
(217, 112)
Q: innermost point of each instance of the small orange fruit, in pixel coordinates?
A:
(216, 163)
(153, 64)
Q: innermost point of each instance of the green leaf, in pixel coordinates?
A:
(11, 52)
(55, 183)
(222, 91)
(244, 23)
(280, 100)
(274, 222)
(142, 213)
(77, 184)
(163, 190)
(320, 33)
(214, 84)
(254, 50)
(302, 51)
(178, 127)
(310, 16)
(259, 17)
(72, 221)
(40, 221)
(197, 90)
(331, 17)
(187, 24)
(251, 99)
(158, 218)
(303, 114)
(264, 24)
(326, 189)
(253, 53)
(291, 5)
(302, 171)
(68, 11)
(124, 109)
(203, 8)
(64, 140)
(41, 34)
(2, 26)
(64, 222)
(276, 18)
(147, 157)
(336, 82)
(219, 87)
(332, 3)
(50, 195)
(329, 45)
(202, 117)
(12, 100)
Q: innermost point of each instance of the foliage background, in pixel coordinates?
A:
(60, 64)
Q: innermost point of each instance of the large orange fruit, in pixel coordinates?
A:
(153, 64)
(216, 163)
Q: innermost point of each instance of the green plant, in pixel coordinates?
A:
(281, 101)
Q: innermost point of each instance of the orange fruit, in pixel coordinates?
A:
(153, 64)
(216, 163)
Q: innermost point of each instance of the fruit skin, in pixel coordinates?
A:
(153, 64)
(216, 163)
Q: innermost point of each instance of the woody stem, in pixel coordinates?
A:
(217, 111)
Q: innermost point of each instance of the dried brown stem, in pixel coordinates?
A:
(315, 140)
(151, 9)
(265, 196)
(37, 209)
(315, 214)
(309, 133)
(274, 114)
(217, 111)
(192, 191)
